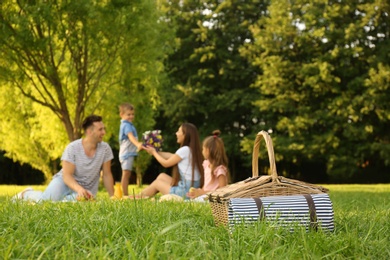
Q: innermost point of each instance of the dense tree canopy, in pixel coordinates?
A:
(315, 75)
(209, 79)
(324, 84)
(63, 60)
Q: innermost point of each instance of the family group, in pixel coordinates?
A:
(196, 168)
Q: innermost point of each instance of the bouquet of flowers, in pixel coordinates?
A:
(152, 138)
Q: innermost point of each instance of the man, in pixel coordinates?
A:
(82, 161)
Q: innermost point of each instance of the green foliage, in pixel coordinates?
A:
(316, 75)
(27, 135)
(209, 79)
(323, 82)
(63, 60)
(169, 230)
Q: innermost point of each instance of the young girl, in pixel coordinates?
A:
(215, 166)
(187, 163)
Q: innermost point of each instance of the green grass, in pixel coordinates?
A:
(147, 229)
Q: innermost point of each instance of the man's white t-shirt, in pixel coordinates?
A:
(87, 169)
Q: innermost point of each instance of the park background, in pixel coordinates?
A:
(315, 75)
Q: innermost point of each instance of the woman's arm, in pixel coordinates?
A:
(165, 155)
(165, 159)
(166, 163)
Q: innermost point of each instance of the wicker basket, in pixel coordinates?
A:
(258, 186)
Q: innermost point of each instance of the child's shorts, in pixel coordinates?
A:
(127, 164)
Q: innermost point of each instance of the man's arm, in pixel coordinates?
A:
(68, 169)
(108, 180)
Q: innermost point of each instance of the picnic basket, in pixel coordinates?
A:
(258, 186)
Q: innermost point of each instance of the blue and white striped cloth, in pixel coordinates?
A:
(310, 211)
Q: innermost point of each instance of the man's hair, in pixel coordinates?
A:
(124, 107)
(89, 120)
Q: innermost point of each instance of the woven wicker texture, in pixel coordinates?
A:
(258, 186)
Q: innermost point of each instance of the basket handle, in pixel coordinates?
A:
(271, 156)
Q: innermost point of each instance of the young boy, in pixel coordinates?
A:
(129, 145)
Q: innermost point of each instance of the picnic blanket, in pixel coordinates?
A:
(311, 211)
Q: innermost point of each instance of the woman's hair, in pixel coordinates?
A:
(191, 139)
(89, 120)
(217, 154)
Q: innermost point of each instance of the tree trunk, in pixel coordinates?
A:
(139, 179)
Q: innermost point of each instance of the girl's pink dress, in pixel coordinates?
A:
(209, 183)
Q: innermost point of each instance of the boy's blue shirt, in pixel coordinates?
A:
(126, 147)
(125, 128)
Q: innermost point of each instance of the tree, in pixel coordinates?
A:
(63, 60)
(209, 79)
(323, 82)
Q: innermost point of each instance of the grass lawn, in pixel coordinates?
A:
(147, 229)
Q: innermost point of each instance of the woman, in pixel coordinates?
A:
(187, 163)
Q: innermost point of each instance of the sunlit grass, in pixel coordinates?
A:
(147, 229)
(10, 190)
(359, 187)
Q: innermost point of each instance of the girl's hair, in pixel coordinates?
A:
(124, 107)
(191, 139)
(217, 154)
